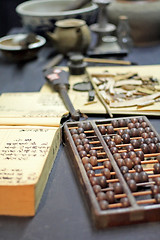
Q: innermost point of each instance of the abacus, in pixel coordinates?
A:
(117, 163)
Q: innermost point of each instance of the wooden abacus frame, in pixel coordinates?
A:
(135, 213)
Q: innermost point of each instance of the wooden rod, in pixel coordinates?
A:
(110, 61)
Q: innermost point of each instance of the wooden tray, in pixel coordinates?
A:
(119, 201)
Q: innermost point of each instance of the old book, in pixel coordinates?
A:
(27, 154)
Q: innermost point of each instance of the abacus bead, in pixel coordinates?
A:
(137, 124)
(148, 129)
(103, 205)
(126, 138)
(82, 135)
(127, 120)
(158, 158)
(96, 188)
(129, 148)
(136, 177)
(101, 196)
(155, 189)
(116, 156)
(106, 173)
(158, 147)
(111, 144)
(73, 131)
(82, 154)
(114, 150)
(132, 155)
(102, 129)
(110, 196)
(143, 176)
(88, 166)
(115, 123)
(102, 181)
(90, 173)
(141, 141)
(80, 148)
(125, 202)
(124, 155)
(117, 139)
(148, 140)
(144, 135)
(155, 140)
(134, 120)
(93, 181)
(128, 163)
(140, 154)
(138, 168)
(85, 160)
(75, 136)
(134, 132)
(93, 152)
(110, 129)
(157, 181)
(145, 148)
(120, 132)
(124, 169)
(80, 130)
(152, 147)
(120, 162)
(107, 139)
(140, 119)
(131, 125)
(107, 164)
(156, 168)
(132, 185)
(87, 147)
(136, 161)
(122, 122)
(151, 134)
(157, 198)
(140, 131)
(78, 142)
(135, 143)
(93, 160)
(80, 125)
(144, 124)
(128, 176)
(85, 141)
(87, 126)
(127, 131)
(118, 188)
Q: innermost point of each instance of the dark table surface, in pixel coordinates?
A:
(62, 213)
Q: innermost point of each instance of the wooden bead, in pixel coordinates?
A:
(134, 120)
(106, 173)
(90, 173)
(152, 148)
(82, 135)
(93, 181)
(85, 141)
(148, 140)
(157, 198)
(137, 125)
(144, 148)
(124, 155)
(140, 119)
(125, 202)
(110, 197)
(80, 148)
(120, 132)
(82, 153)
(148, 129)
(115, 123)
(96, 188)
(128, 163)
(157, 181)
(132, 185)
(103, 205)
(132, 154)
(107, 139)
(88, 166)
(110, 129)
(111, 144)
(102, 181)
(156, 168)
(85, 160)
(118, 188)
(120, 162)
(155, 189)
(128, 176)
(102, 129)
(122, 123)
(143, 176)
(75, 136)
(126, 138)
(101, 196)
(151, 134)
(114, 150)
(73, 131)
(135, 143)
(117, 139)
(138, 168)
(136, 161)
(93, 160)
(134, 132)
(127, 131)
(131, 125)
(116, 156)
(129, 148)
(107, 164)
(87, 147)
(93, 153)
(145, 135)
(124, 169)
(144, 124)
(80, 125)
(78, 142)
(87, 126)
(136, 177)
(140, 131)
(140, 154)
(155, 140)
(80, 130)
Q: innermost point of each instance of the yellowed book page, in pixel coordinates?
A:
(32, 108)
(23, 153)
(80, 99)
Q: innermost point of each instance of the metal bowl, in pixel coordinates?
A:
(12, 50)
(39, 15)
